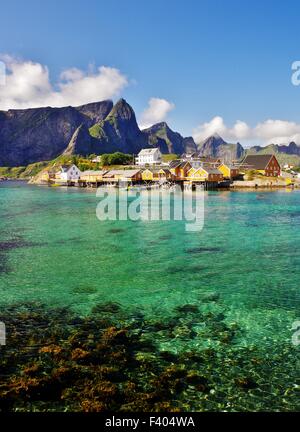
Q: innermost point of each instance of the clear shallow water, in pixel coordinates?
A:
(61, 254)
(221, 302)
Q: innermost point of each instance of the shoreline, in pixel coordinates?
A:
(230, 188)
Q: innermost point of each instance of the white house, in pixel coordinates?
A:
(149, 156)
(288, 166)
(97, 159)
(68, 173)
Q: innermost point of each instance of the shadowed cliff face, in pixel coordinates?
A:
(32, 135)
(160, 135)
(215, 146)
(81, 142)
(119, 131)
(41, 134)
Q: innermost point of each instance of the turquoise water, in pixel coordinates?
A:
(71, 258)
(244, 266)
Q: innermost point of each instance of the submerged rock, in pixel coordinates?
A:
(116, 230)
(246, 383)
(188, 308)
(109, 307)
(198, 250)
(210, 297)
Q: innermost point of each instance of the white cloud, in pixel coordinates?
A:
(267, 132)
(28, 85)
(278, 131)
(156, 112)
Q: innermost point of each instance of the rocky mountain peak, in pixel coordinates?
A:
(122, 110)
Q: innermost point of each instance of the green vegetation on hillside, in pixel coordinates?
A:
(169, 157)
(23, 172)
(114, 160)
(117, 158)
(96, 131)
(283, 158)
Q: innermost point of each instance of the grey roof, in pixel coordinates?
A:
(65, 168)
(93, 172)
(230, 166)
(157, 170)
(124, 173)
(212, 170)
(198, 156)
(183, 164)
(148, 151)
(189, 155)
(175, 163)
(258, 162)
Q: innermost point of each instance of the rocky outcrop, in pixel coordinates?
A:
(80, 143)
(119, 131)
(38, 134)
(160, 135)
(215, 146)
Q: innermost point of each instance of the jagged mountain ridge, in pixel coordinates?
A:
(37, 134)
(285, 153)
(160, 135)
(119, 131)
(215, 146)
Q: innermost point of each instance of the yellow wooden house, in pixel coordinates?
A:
(180, 169)
(228, 171)
(204, 174)
(129, 175)
(91, 176)
(156, 174)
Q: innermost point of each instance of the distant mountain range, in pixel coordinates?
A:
(215, 146)
(285, 153)
(39, 134)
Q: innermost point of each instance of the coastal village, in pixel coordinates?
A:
(187, 171)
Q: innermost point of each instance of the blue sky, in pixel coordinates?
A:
(206, 58)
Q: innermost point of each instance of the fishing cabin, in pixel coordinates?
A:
(229, 171)
(157, 174)
(130, 176)
(266, 165)
(91, 178)
(205, 174)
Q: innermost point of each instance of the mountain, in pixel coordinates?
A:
(291, 149)
(39, 134)
(215, 146)
(160, 135)
(36, 134)
(80, 143)
(285, 153)
(119, 131)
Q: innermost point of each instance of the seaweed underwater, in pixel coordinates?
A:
(113, 360)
